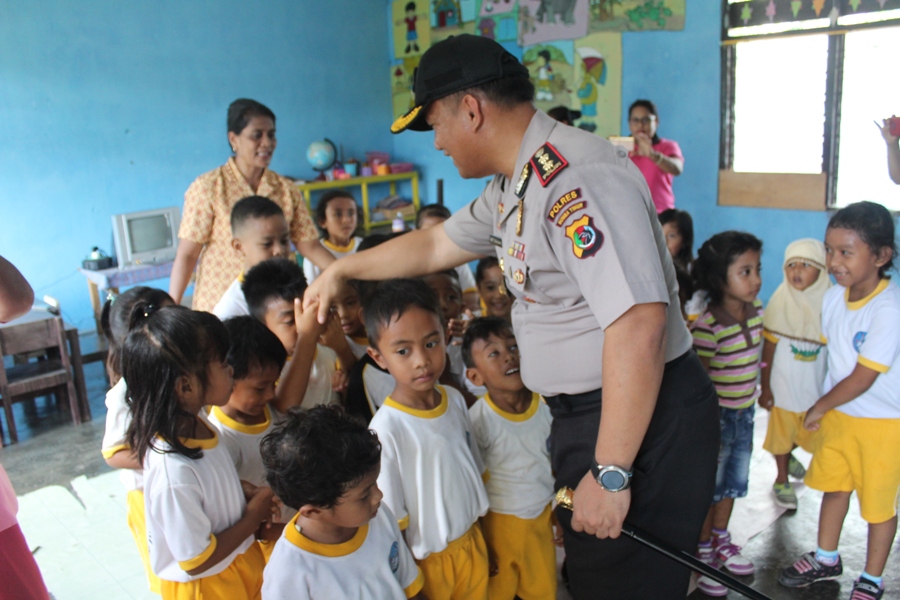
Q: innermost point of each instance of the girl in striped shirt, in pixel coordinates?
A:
(727, 337)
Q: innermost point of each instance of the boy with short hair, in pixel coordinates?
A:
(431, 470)
(259, 232)
(342, 543)
(511, 426)
(256, 357)
(274, 289)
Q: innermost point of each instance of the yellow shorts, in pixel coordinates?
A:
(786, 430)
(459, 571)
(137, 523)
(524, 554)
(242, 580)
(861, 455)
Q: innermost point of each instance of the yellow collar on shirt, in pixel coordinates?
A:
(328, 244)
(331, 550)
(517, 417)
(858, 304)
(434, 413)
(241, 427)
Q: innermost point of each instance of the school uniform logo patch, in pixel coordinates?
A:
(586, 239)
(547, 163)
(858, 340)
(566, 206)
(394, 557)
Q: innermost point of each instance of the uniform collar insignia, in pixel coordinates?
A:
(523, 181)
(547, 162)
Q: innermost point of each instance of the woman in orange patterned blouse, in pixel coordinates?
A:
(205, 233)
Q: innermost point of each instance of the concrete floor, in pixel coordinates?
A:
(52, 452)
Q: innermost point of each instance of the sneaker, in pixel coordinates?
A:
(709, 586)
(808, 570)
(785, 496)
(863, 589)
(796, 468)
(729, 555)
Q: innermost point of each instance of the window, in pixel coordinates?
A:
(800, 93)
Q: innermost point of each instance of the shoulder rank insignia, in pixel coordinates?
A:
(586, 239)
(547, 163)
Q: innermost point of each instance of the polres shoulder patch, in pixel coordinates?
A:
(547, 162)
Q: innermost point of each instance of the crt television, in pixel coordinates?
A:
(147, 236)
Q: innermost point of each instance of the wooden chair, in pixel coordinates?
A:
(52, 374)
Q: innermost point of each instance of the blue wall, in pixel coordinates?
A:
(679, 71)
(111, 107)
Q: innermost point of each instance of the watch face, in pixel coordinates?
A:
(612, 480)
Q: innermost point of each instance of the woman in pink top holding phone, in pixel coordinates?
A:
(659, 159)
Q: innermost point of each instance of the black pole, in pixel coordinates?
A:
(440, 192)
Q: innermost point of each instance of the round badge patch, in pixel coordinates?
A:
(586, 239)
(519, 276)
(858, 340)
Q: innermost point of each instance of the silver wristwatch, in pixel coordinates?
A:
(611, 478)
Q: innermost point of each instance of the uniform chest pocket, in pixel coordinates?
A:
(520, 281)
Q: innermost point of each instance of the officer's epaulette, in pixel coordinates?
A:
(547, 162)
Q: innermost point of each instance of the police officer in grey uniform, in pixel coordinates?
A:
(596, 312)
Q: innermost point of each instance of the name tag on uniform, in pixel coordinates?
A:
(496, 241)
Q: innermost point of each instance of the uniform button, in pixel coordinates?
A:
(621, 153)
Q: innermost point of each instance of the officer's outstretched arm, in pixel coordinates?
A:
(410, 255)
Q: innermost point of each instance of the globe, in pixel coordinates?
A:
(321, 154)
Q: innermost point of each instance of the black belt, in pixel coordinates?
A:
(569, 402)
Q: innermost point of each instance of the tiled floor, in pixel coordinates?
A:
(72, 510)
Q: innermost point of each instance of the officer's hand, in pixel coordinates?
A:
(324, 289)
(598, 512)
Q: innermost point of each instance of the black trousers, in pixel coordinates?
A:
(672, 486)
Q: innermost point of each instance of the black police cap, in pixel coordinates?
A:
(458, 63)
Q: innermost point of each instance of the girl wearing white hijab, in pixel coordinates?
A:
(793, 367)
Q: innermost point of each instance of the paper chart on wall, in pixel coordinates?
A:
(598, 83)
(636, 15)
(411, 27)
(548, 20)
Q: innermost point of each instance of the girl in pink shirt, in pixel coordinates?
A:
(659, 159)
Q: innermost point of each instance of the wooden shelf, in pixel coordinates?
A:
(363, 183)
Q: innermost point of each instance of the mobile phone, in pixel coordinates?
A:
(895, 126)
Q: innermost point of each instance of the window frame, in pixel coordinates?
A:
(800, 191)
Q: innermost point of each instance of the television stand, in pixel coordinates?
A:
(109, 280)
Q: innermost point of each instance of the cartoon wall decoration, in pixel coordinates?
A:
(402, 97)
(494, 7)
(469, 10)
(571, 48)
(445, 13)
(598, 83)
(412, 32)
(636, 15)
(547, 20)
(551, 68)
(497, 20)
